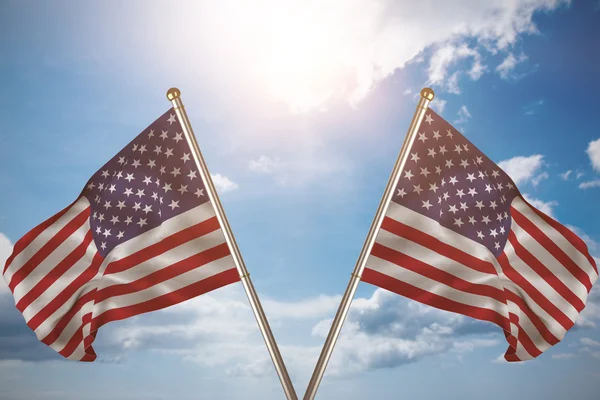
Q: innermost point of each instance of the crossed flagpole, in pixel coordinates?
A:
(174, 95)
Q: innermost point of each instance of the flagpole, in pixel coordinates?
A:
(311, 390)
(174, 95)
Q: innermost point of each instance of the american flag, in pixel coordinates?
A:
(459, 236)
(142, 236)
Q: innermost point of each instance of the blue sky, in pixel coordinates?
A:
(300, 108)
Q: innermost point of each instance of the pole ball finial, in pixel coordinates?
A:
(427, 93)
(173, 94)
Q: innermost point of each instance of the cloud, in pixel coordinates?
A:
(563, 356)
(263, 164)
(589, 342)
(590, 184)
(537, 179)
(463, 115)
(531, 108)
(450, 54)
(223, 184)
(565, 175)
(547, 207)
(438, 104)
(505, 69)
(593, 151)
(522, 169)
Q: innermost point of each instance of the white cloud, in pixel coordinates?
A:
(547, 207)
(593, 151)
(463, 115)
(448, 55)
(522, 169)
(5, 251)
(507, 66)
(263, 164)
(589, 342)
(579, 174)
(438, 105)
(565, 175)
(563, 356)
(223, 184)
(537, 179)
(590, 184)
(531, 108)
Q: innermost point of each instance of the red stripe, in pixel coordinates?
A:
(164, 274)
(552, 248)
(172, 241)
(535, 294)
(523, 338)
(77, 338)
(66, 294)
(545, 273)
(437, 246)
(535, 320)
(49, 247)
(421, 268)
(404, 289)
(55, 273)
(575, 240)
(196, 289)
(33, 234)
(60, 326)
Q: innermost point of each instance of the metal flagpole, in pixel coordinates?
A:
(311, 390)
(174, 95)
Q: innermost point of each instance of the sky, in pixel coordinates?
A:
(300, 109)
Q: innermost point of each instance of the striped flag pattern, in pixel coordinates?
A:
(142, 236)
(459, 236)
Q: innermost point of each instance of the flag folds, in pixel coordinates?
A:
(458, 235)
(142, 236)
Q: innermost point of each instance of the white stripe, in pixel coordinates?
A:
(548, 260)
(72, 327)
(556, 237)
(529, 329)
(171, 285)
(43, 238)
(61, 283)
(438, 261)
(546, 290)
(404, 275)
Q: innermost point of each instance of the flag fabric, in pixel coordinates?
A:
(141, 236)
(459, 236)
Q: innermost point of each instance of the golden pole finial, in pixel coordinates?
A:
(427, 93)
(173, 94)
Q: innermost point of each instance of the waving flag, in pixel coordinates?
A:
(458, 235)
(142, 236)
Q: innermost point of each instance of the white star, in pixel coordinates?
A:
(182, 189)
(169, 152)
(401, 192)
(438, 170)
(137, 206)
(457, 148)
(186, 157)
(178, 137)
(154, 196)
(425, 172)
(453, 209)
(495, 174)
(142, 222)
(422, 137)
(426, 205)
(460, 193)
(458, 222)
(105, 174)
(414, 157)
(136, 163)
(95, 215)
(128, 220)
(157, 183)
(449, 133)
(151, 164)
(436, 135)
(107, 205)
(446, 196)
(480, 235)
(417, 189)
(101, 186)
(147, 180)
(486, 219)
(481, 175)
(121, 205)
(162, 169)
(493, 205)
(142, 149)
(428, 119)
(449, 164)
(91, 186)
(127, 192)
(120, 235)
(199, 192)
(171, 118)
(151, 133)
(505, 214)
(499, 186)
(112, 188)
(463, 206)
(192, 174)
(167, 187)
(174, 204)
(499, 217)
(135, 146)
(140, 193)
(465, 147)
(472, 220)
(493, 232)
(98, 230)
(510, 185)
(472, 192)
(147, 209)
(496, 245)
(443, 181)
(431, 152)
(479, 205)
(114, 219)
(158, 150)
(471, 177)
(443, 150)
(103, 246)
(106, 233)
(175, 172)
(121, 160)
(408, 174)
(488, 188)
(164, 135)
(502, 230)
(479, 160)
(101, 217)
(433, 187)
(129, 177)
(464, 163)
